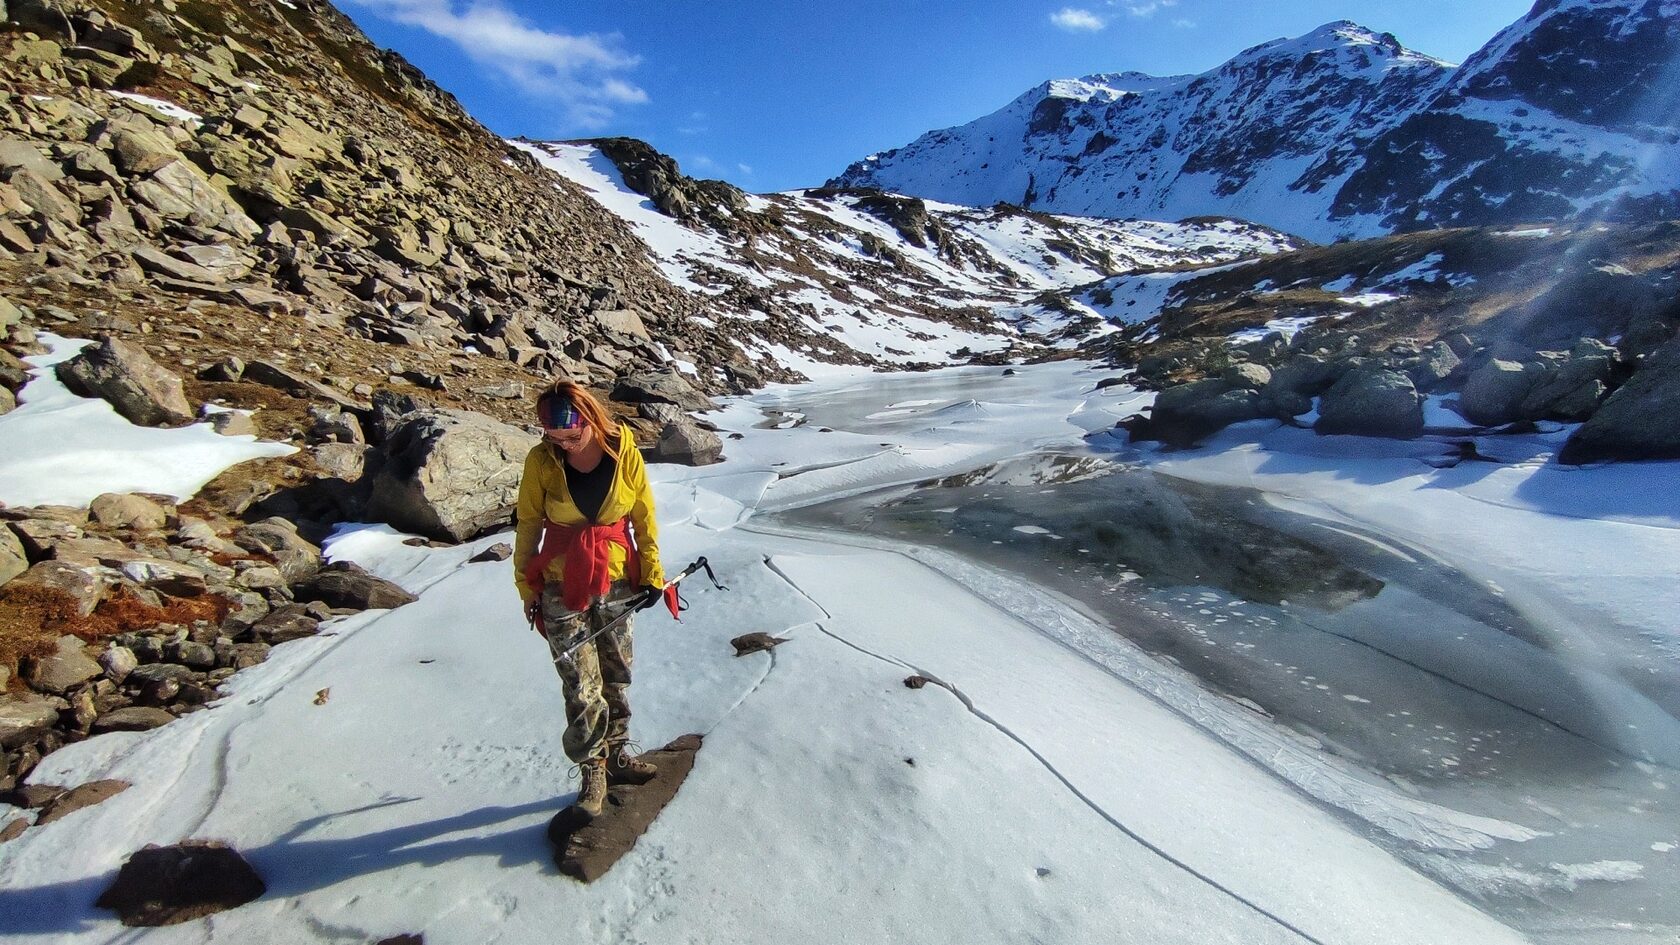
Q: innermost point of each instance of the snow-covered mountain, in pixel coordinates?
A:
(1341, 133)
(812, 277)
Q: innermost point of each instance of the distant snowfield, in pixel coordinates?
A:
(57, 448)
(1055, 785)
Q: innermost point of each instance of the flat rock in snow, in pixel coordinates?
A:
(586, 849)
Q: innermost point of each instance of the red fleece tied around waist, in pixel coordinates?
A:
(588, 551)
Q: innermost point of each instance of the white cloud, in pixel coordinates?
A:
(745, 169)
(580, 72)
(1143, 8)
(1075, 20)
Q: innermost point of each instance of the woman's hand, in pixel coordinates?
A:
(651, 596)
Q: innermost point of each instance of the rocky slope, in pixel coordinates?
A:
(1341, 133)
(1455, 333)
(864, 277)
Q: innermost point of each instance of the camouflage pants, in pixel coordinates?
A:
(596, 676)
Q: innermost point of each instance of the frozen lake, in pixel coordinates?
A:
(1503, 702)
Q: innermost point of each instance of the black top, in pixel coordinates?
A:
(589, 489)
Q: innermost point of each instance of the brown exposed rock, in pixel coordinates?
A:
(125, 510)
(132, 719)
(755, 643)
(586, 850)
(79, 798)
(139, 388)
(67, 667)
(174, 884)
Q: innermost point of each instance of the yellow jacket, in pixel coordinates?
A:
(543, 495)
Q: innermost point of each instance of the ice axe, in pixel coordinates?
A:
(668, 593)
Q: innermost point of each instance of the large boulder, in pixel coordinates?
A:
(449, 474)
(1186, 413)
(13, 560)
(294, 555)
(686, 443)
(1573, 391)
(79, 590)
(669, 387)
(1372, 402)
(67, 667)
(345, 585)
(25, 718)
(139, 388)
(126, 510)
(1641, 420)
(1495, 392)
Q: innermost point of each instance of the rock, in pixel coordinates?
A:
(14, 829)
(586, 849)
(67, 667)
(622, 322)
(686, 443)
(1372, 402)
(915, 681)
(1188, 412)
(81, 589)
(1572, 392)
(126, 510)
(1641, 420)
(25, 718)
(13, 560)
(293, 555)
(449, 474)
(500, 551)
(139, 388)
(79, 798)
(334, 426)
(134, 718)
(285, 625)
(16, 155)
(668, 387)
(8, 402)
(1435, 364)
(1247, 376)
(118, 662)
(1495, 391)
(199, 656)
(166, 577)
(755, 643)
(140, 151)
(190, 880)
(233, 423)
(346, 585)
(227, 369)
(163, 264)
(159, 672)
(272, 375)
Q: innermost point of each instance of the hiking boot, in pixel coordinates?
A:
(592, 793)
(625, 768)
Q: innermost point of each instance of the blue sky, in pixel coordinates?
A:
(777, 94)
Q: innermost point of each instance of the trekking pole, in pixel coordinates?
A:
(699, 564)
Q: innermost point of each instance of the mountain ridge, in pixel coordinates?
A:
(1335, 134)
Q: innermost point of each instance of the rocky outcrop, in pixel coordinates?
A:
(123, 374)
(449, 474)
(1641, 420)
(1372, 402)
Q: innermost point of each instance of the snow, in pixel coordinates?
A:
(829, 804)
(60, 449)
(167, 109)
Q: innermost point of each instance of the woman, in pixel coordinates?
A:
(585, 494)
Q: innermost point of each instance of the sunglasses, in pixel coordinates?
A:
(559, 414)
